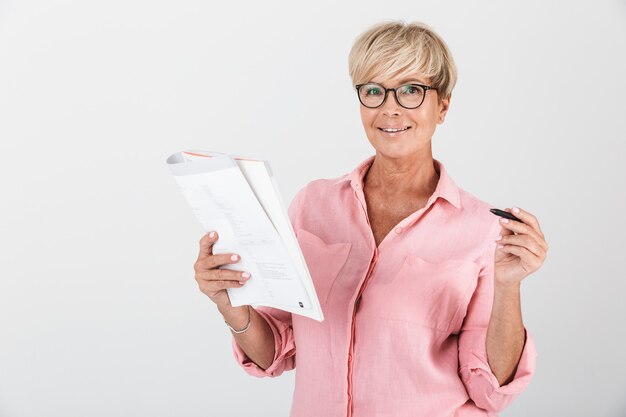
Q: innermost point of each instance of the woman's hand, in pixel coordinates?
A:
(213, 280)
(523, 250)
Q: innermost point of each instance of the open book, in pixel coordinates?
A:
(238, 198)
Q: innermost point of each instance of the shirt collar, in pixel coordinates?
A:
(446, 187)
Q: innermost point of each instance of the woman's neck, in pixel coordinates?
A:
(414, 176)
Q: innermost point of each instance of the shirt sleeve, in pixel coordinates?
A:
(474, 370)
(280, 323)
(284, 345)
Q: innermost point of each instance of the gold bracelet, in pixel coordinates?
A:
(247, 324)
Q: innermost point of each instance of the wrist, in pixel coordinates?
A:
(228, 310)
(506, 285)
(507, 290)
(236, 317)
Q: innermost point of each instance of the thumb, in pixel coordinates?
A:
(206, 245)
(503, 230)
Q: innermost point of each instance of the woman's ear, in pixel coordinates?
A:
(444, 105)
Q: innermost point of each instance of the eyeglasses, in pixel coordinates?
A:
(409, 96)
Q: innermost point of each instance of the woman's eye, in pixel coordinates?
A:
(373, 91)
(411, 90)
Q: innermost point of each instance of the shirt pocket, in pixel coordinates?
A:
(324, 260)
(431, 294)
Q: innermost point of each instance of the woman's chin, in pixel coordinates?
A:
(394, 152)
(397, 147)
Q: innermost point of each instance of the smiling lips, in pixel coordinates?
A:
(393, 129)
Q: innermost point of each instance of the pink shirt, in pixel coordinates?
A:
(405, 322)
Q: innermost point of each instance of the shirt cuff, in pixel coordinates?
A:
(284, 350)
(482, 384)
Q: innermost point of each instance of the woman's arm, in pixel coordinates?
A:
(521, 250)
(258, 341)
(506, 335)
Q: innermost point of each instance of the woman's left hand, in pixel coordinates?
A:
(524, 248)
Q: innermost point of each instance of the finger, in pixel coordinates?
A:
(527, 218)
(518, 227)
(216, 261)
(206, 245)
(525, 241)
(215, 286)
(525, 255)
(505, 231)
(220, 274)
(521, 228)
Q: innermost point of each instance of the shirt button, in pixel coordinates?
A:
(398, 230)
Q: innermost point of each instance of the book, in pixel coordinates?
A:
(238, 197)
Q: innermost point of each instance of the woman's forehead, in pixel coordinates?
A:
(401, 79)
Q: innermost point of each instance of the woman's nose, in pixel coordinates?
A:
(391, 106)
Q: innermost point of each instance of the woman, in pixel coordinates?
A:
(422, 310)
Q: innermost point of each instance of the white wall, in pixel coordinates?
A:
(99, 311)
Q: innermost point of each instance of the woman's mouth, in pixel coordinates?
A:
(394, 131)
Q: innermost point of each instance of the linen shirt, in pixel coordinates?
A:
(405, 323)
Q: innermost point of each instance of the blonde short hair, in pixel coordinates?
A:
(396, 48)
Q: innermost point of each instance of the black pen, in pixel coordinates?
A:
(504, 214)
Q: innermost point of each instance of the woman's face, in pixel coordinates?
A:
(420, 122)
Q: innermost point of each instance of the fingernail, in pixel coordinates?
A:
(245, 275)
(233, 258)
(499, 237)
(515, 210)
(211, 235)
(242, 282)
(500, 246)
(504, 220)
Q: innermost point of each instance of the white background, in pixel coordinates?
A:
(99, 311)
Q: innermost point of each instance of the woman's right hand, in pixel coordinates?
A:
(213, 280)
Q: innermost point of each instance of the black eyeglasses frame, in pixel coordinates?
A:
(395, 93)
